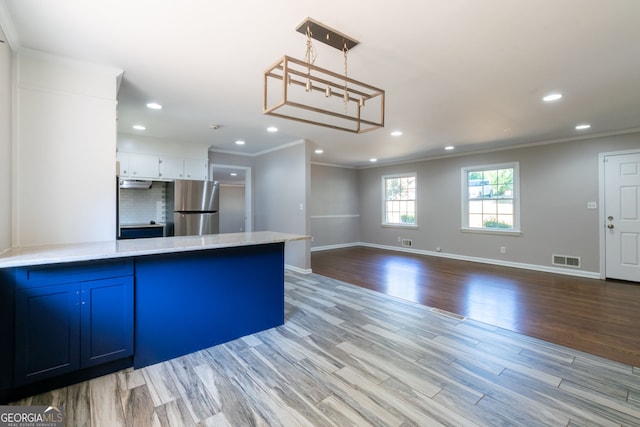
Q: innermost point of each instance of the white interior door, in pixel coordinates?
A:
(622, 216)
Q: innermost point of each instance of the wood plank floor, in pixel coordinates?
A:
(349, 356)
(600, 317)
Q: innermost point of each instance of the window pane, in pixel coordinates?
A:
(475, 206)
(505, 207)
(400, 200)
(475, 220)
(490, 197)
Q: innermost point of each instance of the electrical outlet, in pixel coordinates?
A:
(503, 249)
(399, 239)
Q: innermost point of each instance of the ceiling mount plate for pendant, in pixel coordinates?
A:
(326, 35)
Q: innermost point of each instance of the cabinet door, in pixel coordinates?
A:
(107, 320)
(144, 166)
(196, 169)
(7, 328)
(171, 168)
(47, 330)
(123, 159)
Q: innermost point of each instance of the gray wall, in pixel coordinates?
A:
(232, 210)
(556, 182)
(5, 145)
(333, 206)
(281, 186)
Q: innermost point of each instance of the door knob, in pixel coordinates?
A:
(610, 226)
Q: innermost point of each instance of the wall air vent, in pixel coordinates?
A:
(407, 243)
(565, 260)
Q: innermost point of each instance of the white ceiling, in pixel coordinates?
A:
(467, 73)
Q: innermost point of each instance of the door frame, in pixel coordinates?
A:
(248, 205)
(601, 210)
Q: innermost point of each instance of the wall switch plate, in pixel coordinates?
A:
(592, 205)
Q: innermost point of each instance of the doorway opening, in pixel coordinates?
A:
(235, 197)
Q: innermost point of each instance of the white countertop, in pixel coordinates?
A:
(54, 254)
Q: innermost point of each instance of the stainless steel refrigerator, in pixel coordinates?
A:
(196, 208)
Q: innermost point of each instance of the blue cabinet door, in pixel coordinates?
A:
(7, 329)
(47, 329)
(107, 320)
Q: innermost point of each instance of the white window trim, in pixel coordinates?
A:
(383, 200)
(464, 194)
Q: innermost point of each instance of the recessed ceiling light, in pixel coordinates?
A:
(154, 106)
(552, 97)
(272, 129)
(583, 126)
(319, 151)
(396, 133)
(449, 147)
(239, 142)
(373, 160)
(233, 174)
(139, 127)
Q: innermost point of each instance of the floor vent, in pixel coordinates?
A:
(566, 261)
(407, 243)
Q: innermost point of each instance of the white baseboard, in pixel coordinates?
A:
(535, 267)
(298, 269)
(340, 246)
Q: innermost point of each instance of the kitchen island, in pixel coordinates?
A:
(69, 312)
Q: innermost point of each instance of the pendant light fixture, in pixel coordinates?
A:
(302, 91)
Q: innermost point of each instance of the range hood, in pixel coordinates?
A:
(137, 184)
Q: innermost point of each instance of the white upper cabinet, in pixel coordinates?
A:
(149, 166)
(143, 166)
(196, 169)
(171, 168)
(161, 160)
(123, 164)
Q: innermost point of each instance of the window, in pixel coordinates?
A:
(399, 195)
(490, 198)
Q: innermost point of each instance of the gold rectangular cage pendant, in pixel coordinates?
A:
(301, 91)
(296, 90)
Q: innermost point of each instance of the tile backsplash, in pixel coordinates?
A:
(142, 206)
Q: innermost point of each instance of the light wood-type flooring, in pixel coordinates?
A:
(350, 356)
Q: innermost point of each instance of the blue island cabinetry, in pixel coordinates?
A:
(140, 304)
(193, 300)
(68, 319)
(72, 316)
